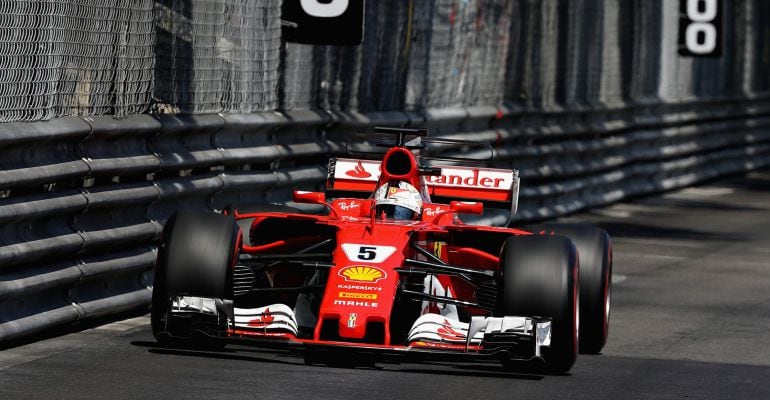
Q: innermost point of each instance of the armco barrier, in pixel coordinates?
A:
(83, 201)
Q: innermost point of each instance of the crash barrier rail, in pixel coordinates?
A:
(83, 200)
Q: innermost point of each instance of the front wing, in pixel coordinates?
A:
(431, 335)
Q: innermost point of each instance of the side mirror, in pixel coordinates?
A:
(301, 196)
(465, 207)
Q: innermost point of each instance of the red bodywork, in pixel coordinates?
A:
(366, 269)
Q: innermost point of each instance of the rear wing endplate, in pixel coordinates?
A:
(496, 188)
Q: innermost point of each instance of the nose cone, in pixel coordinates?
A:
(362, 284)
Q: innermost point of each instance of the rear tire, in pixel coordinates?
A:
(595, 254)
(539, 277)
(196, 258)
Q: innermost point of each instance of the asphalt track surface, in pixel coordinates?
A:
(690, 319)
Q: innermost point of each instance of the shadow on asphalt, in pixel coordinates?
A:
(637, 230)
(223, 354)
(757, 181)
(702, 205)
(430, 368)
(480, 371)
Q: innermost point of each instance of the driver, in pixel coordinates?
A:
(398, 200)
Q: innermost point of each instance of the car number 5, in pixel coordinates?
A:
(367, 253)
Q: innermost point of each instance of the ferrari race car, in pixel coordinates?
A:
(388, 269)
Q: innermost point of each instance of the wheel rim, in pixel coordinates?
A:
(607, 302)
(608, 298)
(576, 293)
(577, 317)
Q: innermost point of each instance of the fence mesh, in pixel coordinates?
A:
(365, 78)
(464, 56)
(217, 55)
(124, 57)
(75, 57)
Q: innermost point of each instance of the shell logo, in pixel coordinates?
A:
(362, 273)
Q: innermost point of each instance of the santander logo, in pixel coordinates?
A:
(471, 177)
(354, 173)
(358, 172)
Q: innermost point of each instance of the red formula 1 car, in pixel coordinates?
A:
(388, 270)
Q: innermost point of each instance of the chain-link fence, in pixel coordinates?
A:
(75, 57)
(125, 57)
(216, 55)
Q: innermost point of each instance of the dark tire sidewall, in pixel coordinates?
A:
(540, 277)
(595, 255)
(178, 237)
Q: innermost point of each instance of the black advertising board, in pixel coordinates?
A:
(329, 22)
(700, 28)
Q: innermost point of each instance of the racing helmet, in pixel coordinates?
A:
(398, 200)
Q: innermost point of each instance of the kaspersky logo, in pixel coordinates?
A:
(362, 273)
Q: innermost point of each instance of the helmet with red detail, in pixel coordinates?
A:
(398, 200)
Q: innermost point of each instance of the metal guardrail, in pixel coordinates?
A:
(83, 201)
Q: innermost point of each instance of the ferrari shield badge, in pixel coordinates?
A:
(352, 320)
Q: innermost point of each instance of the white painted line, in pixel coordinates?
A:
(635, 207)
(701, 192)
(122, 326)
(613, 213)
(617, 278)
(658, 242)
(744, 263)
(655, 256)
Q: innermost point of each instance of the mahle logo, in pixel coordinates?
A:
(362, 273)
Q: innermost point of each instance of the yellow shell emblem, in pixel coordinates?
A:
(362, 274)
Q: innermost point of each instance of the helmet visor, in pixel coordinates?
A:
(395, 212)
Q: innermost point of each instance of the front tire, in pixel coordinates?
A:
(196, 257)
(539, 277)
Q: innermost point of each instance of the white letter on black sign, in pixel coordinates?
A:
(701, 35)
(321, 10)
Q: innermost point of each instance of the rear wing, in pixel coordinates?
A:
(496, 188)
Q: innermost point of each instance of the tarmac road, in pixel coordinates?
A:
(690, 319)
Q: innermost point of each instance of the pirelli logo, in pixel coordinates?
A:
(365, 296)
